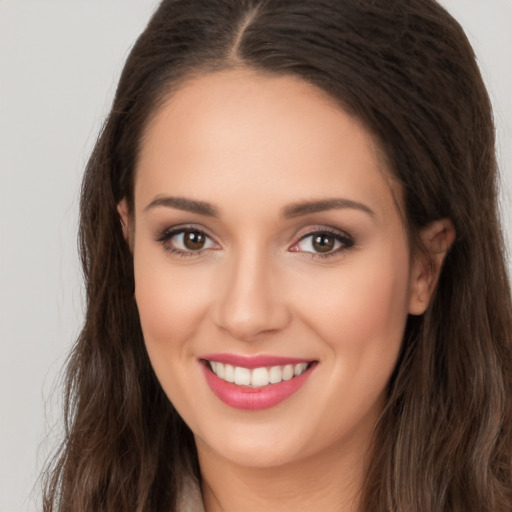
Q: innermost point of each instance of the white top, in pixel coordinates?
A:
(190, 498)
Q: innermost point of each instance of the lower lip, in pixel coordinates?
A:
(254, 399)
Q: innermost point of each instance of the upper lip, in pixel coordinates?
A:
(254, 361)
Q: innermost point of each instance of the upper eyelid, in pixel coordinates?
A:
(174, 230)
(325, 229)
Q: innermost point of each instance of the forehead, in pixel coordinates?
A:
(239, 132)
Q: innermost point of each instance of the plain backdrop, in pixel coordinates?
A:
(59, 63)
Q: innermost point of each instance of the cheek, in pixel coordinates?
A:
(170, 302)
(361, 315)
(362, 298)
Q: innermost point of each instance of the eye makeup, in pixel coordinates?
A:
(323, 243)
(186, 241)
(190, 241)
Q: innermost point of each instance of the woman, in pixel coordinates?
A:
(296, 290)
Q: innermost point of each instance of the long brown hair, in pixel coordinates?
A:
(406, 70)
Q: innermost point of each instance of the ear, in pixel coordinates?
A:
(126, 220)
(437, 239)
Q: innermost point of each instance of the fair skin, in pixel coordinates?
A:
(252, 279)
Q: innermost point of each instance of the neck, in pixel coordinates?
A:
(329, 481)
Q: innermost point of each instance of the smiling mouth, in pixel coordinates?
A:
(256, 377)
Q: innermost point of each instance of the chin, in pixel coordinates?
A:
(264, 455)
(259, 444)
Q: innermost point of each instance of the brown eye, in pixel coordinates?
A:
(194, 240)
(186, 242)
(323, 242)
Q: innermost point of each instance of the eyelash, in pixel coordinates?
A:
(346, 242)
(168, 234)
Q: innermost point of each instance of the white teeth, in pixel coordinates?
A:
(288, 372)
(257, 377)
(276, 374)
(242, 376)
(219, 370)
(230, 373)
(299, 368)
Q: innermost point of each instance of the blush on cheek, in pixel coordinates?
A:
(170, 302)
(364, 322)
(373, 303)
(161, 316)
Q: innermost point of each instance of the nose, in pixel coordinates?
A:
(252, 300)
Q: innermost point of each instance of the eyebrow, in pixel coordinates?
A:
(315, 206)
(293, 210)
(181, 203)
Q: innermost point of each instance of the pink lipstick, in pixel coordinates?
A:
(257, 382)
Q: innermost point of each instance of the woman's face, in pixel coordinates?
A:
(267, 243)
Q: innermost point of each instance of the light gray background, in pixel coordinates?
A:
(59, 63)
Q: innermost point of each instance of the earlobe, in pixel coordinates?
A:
(437, 239)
